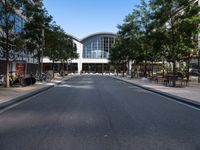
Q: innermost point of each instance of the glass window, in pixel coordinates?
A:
(95, 45)
(98, 47)
(19, 24)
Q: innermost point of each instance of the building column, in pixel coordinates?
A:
(80, 67)
(129, 67)
(102, 68)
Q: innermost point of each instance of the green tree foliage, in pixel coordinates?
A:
(173, 16)
(52, 43)
(34, 30)
(59, 46)
(8, 12)
(134, 35)
(160, 30)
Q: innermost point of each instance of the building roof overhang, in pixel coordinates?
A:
(97, 34)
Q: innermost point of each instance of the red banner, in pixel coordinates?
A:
(20, 69)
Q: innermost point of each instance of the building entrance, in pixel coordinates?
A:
(95, 68)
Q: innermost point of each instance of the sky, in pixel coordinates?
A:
(81, 18)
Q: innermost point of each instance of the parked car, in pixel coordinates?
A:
(195, 72)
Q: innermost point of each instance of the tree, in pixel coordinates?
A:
(171, 15)
(52, 43)
(67, 49)
(9, 9)
(34, 30)
(130, 40)
(116, 56)
(161, 30)
(59, 46)
(189, 30)
(133, 36)
(144, 22)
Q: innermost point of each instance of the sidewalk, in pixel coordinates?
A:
(15, 94)
(192, 92)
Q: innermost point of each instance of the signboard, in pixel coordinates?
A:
(20, 69)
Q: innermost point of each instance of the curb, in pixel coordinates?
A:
(174, 97)
(33, 93)
(23, 97)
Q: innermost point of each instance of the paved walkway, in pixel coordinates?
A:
(192, 92)
(7, 94)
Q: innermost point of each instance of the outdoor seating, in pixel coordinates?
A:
(178, 78)
(158, 78)
(168, 79)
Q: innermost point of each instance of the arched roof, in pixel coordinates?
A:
(73, 37)
(97, 34)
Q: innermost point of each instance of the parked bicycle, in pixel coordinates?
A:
(18, 80)
(43, 77)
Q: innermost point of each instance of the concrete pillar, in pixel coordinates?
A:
(129, 67)
(13, 68)
(79, 67)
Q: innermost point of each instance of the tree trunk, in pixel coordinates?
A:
(152, 69)
(53, 67)
(174, 74)
(117, 69)
(188, 68)
(163, 67)
(123, 72)
(7, 62)
(7, 74)
(39, 66)
(173, 49)
(128, 70)
(63, 66)
(145, 64)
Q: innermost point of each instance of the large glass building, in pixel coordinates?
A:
(93, 53)
(97, 46)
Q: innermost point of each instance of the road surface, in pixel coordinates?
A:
(99, 113)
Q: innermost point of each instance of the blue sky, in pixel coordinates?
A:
(83, 17)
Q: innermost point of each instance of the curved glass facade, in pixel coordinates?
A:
(98, 46)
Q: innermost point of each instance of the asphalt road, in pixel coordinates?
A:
(99, 113)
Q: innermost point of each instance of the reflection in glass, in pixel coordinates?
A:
(98, 46)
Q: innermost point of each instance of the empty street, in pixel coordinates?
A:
(95, 112)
